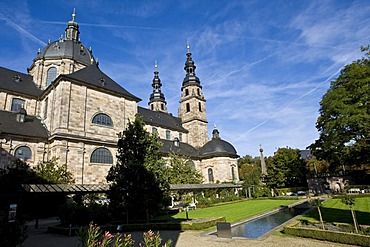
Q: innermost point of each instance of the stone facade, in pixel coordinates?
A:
(83, 113)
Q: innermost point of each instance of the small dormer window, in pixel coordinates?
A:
(17, 78)
(21, 115)
(102, 81)
(168, 135)
(176, 142)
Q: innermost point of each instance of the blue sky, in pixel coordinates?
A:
(264, 65)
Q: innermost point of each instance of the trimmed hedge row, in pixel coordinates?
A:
(339, 237)
(197, 224)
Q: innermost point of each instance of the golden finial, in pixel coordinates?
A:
(214, 126)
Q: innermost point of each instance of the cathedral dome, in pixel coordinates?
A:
(69, 46)
(217, 147)
(67, 49)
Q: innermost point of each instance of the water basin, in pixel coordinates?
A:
(260, 226)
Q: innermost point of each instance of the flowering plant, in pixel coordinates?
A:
(93, 236)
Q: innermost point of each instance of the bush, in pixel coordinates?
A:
(11, 233)
(339, 237)
(74, 214)
(81, 215)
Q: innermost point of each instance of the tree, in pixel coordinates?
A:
(286, 168)
(314, 165)
(138, 182)
(344, 121)
(350, 201)
(251, 174)
(181, 171)
(317, 203)
(52, 172)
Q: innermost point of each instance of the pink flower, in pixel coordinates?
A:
(108, 235)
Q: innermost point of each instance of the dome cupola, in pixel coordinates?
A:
(217, 147)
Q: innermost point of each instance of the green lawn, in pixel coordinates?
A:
(333, 210)
(235, 211)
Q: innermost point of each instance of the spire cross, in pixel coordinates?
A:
(74, 14)
(155, 64)
(188, 46)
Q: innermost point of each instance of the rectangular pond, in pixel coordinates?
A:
(260, 226)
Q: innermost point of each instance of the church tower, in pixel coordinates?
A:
(157, 102)
(192, 110)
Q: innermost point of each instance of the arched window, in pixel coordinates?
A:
(186, 92)
(210, 175)
(102, 119)
(233, 173)
(187, 107)
(200, 106)
(101, 156)
(52, 74)
(198, 90)
(23, 153)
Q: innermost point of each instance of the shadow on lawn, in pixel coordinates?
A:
(340, 215)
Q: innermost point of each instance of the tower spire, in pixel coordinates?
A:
(157, 101)
(192, 110)
(72, 31)
(190, 77)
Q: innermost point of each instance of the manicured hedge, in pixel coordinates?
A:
(339, 237)
(197, 224)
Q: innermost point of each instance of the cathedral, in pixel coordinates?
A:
(66, 107)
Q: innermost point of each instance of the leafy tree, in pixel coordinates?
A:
(251, 174)
(344, 121)
(138, 182)
(181, 171)
(317, 203)
(249, 160)
(52, 172)
(286, 169)
(314, 165)
(350, 201)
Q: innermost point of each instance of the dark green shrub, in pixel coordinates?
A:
(74, 214)
(11, 233)
(339, 237)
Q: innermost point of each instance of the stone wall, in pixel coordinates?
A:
(162, 133)
(222, 169)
